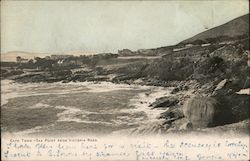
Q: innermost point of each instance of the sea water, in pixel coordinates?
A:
(80, 108)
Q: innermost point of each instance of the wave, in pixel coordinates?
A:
(11, 89)
(39, 105)
(141, 102)
(106, 86)
(72, 114)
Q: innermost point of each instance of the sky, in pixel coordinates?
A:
(108, 26)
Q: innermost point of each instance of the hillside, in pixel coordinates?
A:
(236, 28)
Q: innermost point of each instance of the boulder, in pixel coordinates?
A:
(229, 97)
(206, 112)
(238, 104)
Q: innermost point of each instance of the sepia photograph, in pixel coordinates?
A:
(113, 69)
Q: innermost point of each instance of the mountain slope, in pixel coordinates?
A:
(236, 28)
(221, 59)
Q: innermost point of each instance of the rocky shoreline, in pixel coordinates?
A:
(173, 118)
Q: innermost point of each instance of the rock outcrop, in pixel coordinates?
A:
(164, 102)
(205, 112)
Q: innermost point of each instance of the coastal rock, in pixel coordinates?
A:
(205, 112)
(238, 104)
(187, 126)
(171, 115)
(10, 73)
(34, 78)
(180, 88)
(220, 85)
(164, 102)
(175, 90)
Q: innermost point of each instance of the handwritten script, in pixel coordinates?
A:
(112, 148)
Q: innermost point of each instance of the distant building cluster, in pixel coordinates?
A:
(66, 60)
(21, 60)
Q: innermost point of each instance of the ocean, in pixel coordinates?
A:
(81, 108)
